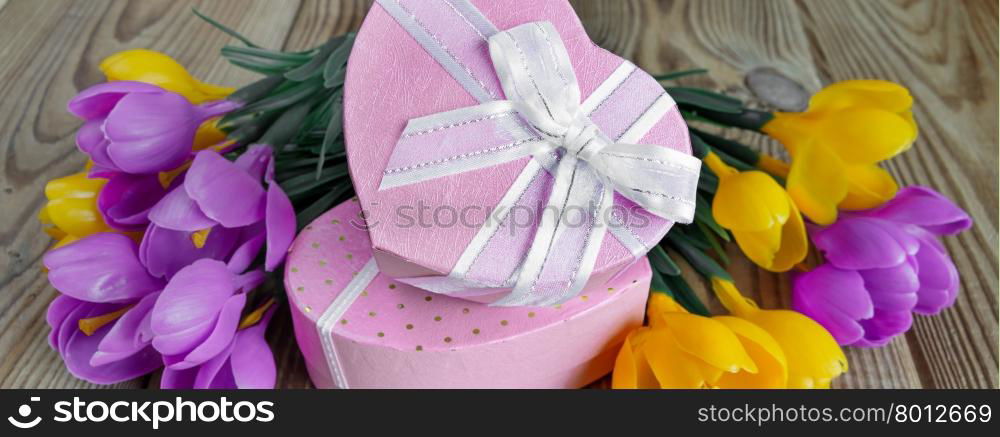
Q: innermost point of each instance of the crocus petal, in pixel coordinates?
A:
(626, 373)
(750, 201)
(126, 200)
(835, 298)
(255, 160)
(220, 337)
(252, 360)
(179, 212)
(794, 242)
(101, 171)
(868, 186)
(893, 288)
(772, 367)
(817, 182)
(938, 278)
(103, 267)
(883, 327)
(927, 208)
(672, 367)
(98, 100)
(759, 246)
(710, 341)
(151, 132)
(159, 69)
(90, 140)
(125, 338)
(814, 358)
(880, 94)
(247, 251)
(59, 309)
(224, 191)
(223, 379)
(280, 222)
(216, 372)
(78, 348)
(178, 379)
(165, 251)
(865, 135)
(856, 243)
(190, 304)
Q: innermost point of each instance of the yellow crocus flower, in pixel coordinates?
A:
(71, 211)
(683, 350)
(837, 143)
(142, 65)
(760, 214)
(813, 356)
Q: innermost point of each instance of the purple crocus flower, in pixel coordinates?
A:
(882, 265)
(107, 291)
(227, 203)
(126, 199)
(197, 313)
(245, 363)
(135, 127)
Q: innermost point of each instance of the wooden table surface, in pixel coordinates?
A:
(944, 51)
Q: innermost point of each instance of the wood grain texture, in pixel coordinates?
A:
(944, 51)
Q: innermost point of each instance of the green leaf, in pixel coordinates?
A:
(249, 130)
(679, 74)
(702, 263)
(306, 182)
(281, 99)
(293, 163)
(708, 236)
(698, 146)
(256, 90)
(686, 296)
(703, 214)
(316, 64)
(223, 28)
(267, 55)
(658, 285)
(662, 263)
(731, 147)
(309, 213)
(336, 65)
(705, 99)
(733, 162)
(707, 181)
(333, 130)
(286, 126)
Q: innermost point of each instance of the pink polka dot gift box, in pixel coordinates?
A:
(360, 328)
(501, 156)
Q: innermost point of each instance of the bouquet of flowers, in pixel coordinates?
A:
(193, 194)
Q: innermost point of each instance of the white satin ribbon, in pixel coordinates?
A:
(538, 80)
(333, 313)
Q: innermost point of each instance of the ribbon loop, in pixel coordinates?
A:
(543, 113)
(535, 73)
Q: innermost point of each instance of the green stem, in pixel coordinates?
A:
(750, 119)
(730, 147)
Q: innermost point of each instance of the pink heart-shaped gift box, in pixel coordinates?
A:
(391, 79)
(359, 329)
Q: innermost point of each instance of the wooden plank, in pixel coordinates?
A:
(944, 51)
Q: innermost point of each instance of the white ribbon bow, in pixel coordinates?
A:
(541, 87)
